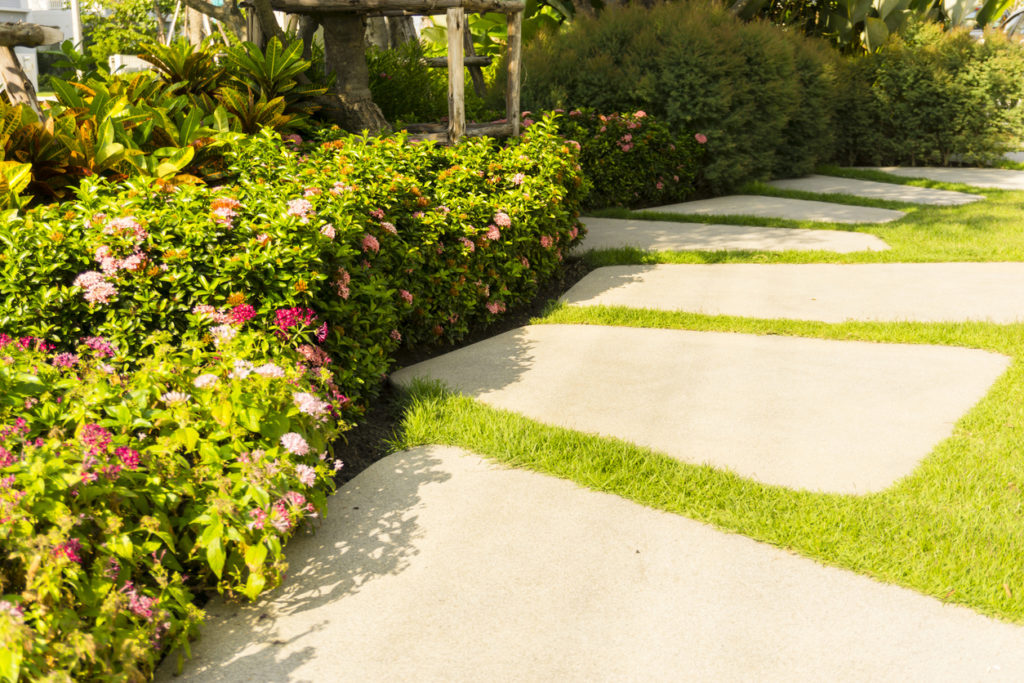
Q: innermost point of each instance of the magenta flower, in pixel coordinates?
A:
(65, 360)
(242, 313)
(70, 550)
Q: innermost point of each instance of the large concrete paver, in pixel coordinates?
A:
(925, 292)
(782, 207)
(435, 565)
(823, 184)
(612, 233)
(850, 417)
(997, 178)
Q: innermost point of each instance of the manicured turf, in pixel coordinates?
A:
(954, 529)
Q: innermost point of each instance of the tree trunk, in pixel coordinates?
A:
(161, 34)
(195, 26)
(307, 29)
(350, 104)
(227, 14)
(401, 31)
(377, 32)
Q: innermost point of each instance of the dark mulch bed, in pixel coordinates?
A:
(367, 443)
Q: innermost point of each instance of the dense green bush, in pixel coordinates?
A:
(632, 159)
(289, 292)
(124, 492)
(931, 97)
(761, 95)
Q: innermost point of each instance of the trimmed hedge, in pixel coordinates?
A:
(632, 159)
(133, 472)
(762, 96)
(930, 96)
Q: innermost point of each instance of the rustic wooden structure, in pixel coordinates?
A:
(458, 40)
(19, 87)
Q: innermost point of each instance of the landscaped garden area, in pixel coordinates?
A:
(205, 283)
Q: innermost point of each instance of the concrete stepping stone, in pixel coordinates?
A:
(782, 207)
(923, 292)
(997, 178)
(614, 233)
(823, 184)
(436, 565)
(849, 417)
(1017, 157)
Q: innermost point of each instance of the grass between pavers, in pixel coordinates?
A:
(989, 230)
(953, 529)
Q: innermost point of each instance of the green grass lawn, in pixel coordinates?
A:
(953, 529)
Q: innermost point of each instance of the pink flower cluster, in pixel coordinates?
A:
(546, 241)
(100, 346)
(370, 243)
(65, 360)
(295, 444)
(301, 209)
(341, 284)
(468, 244)
(518, 179)
(406, 295)
(310, 404)
(328, 231)
(315, 355)
(70, 549)
(110, 264)
(97, 289)
(340, 187)
(493, 233)
(700, 138)
(290, 318)
(223, 211)
(502, 220)
(496, 307)
(126, 227)
(140, 605)
(305, 474)
(389, 228)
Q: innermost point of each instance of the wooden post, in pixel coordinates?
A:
(515, 55)
(456, 75)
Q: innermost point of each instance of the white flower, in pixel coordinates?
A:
(269, 370)
(223, 333)
(310, 404)
(205, 381)
(243, 369)
(172, 397)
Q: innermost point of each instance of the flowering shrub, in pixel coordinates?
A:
(121, 493)
(632, 159)
(202, 349)
(340, 231)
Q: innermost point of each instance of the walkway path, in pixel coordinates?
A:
(437, 565)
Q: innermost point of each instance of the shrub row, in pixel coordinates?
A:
(774, 103)
(133, 479)
(760, 95)
(632, 159)
(932, 97)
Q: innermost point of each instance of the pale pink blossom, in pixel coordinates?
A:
(493, 233)
(370, 243)
(268, 370)
(328, 231)
(501, 219)
(305, 474)
(700, 138)
(310, 404)
(294, 444)
(205, 381)
(518, 179)
(406, 295)
(389, 227)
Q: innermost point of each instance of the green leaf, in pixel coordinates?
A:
(122, 546)
(875, 33)
(255, 555)
(216, 556)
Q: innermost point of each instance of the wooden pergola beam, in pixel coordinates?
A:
(418, 7)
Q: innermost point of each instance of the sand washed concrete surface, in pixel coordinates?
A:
(848, 417)
(998, 178)
(824, 184)
(435, 565)
(612, 233)
(782, 207)
(925, 292)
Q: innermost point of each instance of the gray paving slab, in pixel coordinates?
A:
(924, 292)
(782, 207)
(824, 184)
(435, 565)
(848, 417)
(1014, 156)
(612, 233)
(997, 178)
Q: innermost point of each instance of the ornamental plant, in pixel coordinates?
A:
(125, 492)
(632, 159)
